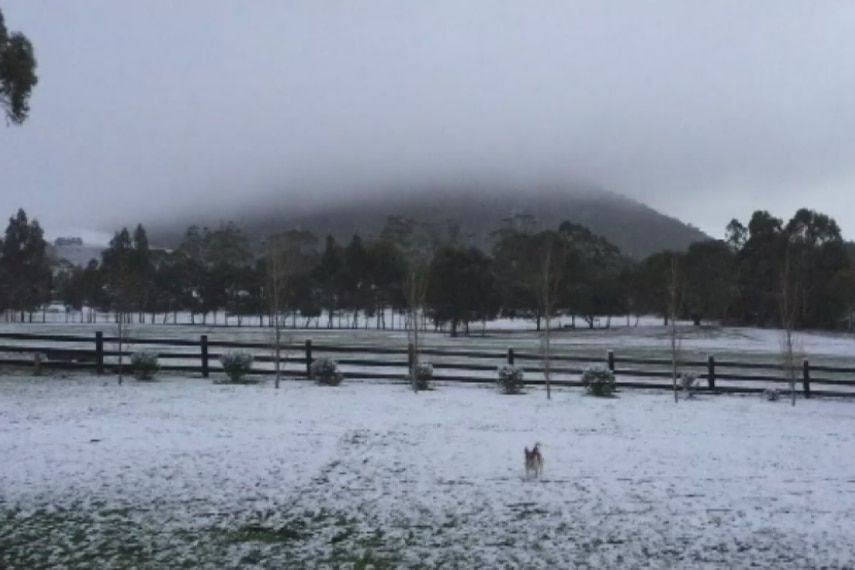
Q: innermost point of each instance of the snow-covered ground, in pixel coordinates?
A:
(183, 473)
(649, 337)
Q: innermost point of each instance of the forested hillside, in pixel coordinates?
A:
(635, 228)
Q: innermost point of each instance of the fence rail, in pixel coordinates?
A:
(72, 352)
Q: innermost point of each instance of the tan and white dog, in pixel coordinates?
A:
(533, 461)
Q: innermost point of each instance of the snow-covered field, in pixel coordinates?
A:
(183, 473)
(649, 338)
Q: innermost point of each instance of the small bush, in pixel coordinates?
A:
(424, 375)
(772, 394)
(599, 381)
(325, 371)
(38, 360)
(689, 383)
(237, 365)
(144, 364)
(510, 379)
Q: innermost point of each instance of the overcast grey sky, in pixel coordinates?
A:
(703, 110)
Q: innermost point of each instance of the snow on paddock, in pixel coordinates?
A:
(183, 473)
(647, 340)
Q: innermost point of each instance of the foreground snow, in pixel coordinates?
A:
(184, 474)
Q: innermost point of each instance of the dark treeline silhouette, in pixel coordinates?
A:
(757, 275)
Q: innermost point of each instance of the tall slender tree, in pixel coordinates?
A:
(5, 282)
(328, 275)
(118, 266)
(355, 282)
(25, 264)
(141, 271)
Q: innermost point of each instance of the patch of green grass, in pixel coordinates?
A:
(361, 561)
(610, 396)
(72, 538)
(376, 537)
(293, 531)
(119, 512)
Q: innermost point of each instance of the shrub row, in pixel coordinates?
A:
(597, 380)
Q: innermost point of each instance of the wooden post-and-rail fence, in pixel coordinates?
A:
(201, 357)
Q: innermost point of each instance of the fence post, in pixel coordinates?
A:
(308, 358)
(99, 353)
(203, 342)
(511, 356)
(411, 357)
(711, 372)
(611, 361)
(806, 377)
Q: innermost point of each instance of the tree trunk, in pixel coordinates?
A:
(278, 351)
(547, 372)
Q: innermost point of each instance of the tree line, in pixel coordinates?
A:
(761, 274)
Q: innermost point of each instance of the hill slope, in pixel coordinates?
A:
(78, 255)
(637, 229)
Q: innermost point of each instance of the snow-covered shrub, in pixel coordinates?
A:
(510, 379)
(144, 364)
(599, 381)
(237, 365)
(771, 394)
(325, 371)
(424, 374)
(38, 360)
(689, 383)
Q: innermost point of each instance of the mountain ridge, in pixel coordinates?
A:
(637, 229)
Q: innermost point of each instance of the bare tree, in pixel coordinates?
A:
(123, 285)
(415, 285)
(674, 300)
(788, 303)
(286, 258)
(276, 281)
(553, 255)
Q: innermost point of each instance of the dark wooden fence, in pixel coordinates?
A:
(201, 357)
